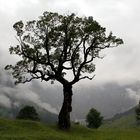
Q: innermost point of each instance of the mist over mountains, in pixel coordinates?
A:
(109, 98)
(121, 65)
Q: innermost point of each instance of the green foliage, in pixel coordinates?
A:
(94, 119)
(55, 44)
(28, 113)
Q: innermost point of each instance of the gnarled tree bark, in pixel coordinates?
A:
(64, 115)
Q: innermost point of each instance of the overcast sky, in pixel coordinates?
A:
(121, 17)
(120, 65)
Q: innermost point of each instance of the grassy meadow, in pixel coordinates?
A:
(30, 130)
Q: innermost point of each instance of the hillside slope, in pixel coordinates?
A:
(29, 130)
(44, 115)
(123, 120)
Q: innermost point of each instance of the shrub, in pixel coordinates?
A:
(138, 114)
(28, 113)
(93, 118)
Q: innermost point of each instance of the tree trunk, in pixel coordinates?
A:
(64, 115)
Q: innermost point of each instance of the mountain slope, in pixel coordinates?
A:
(123, 120)
(44, 115)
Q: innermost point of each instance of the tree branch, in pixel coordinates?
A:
(87, 77)
(73, 55)
(29, 80)
(46, 47)
(36, 59)
(67, 68)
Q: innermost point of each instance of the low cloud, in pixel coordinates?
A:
(5, 101)
(11, 95)
(28, 95)
(132, 94)
(109, 98)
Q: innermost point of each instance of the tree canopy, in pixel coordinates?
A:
(55, 44)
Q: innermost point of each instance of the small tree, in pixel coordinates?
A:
(138, 113)
(28, 113)
(94, 119)
(56, 45)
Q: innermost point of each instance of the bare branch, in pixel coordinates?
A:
(73, 55)
(87, 77)
(46, 47)
(67, 68)
(74, 52)
(29, 80)
(84, 45)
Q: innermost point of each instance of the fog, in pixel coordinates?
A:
(116, 86)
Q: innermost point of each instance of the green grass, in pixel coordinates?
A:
(123, 122)
(29, 130)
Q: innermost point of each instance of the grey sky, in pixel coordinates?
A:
(121, 16)
(120, 65)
